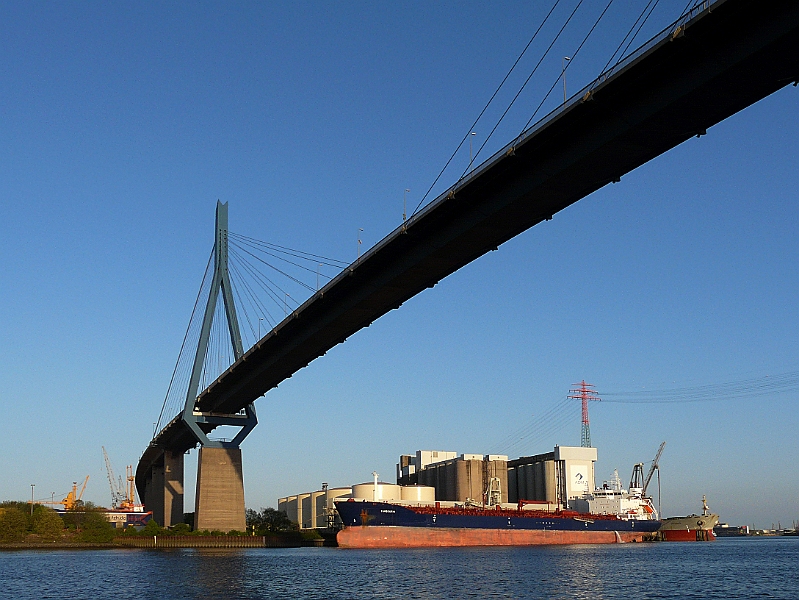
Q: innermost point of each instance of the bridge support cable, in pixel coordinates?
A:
(274, 249)
(248, 297)
(524, 85)
(286, 289)
(619, 52)
(180, 372)
(642, 19)
(234, 286)
(557, 36)
(490, 100)
(251, 295)
(565, 68)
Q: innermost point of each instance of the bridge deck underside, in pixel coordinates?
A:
(727, 60)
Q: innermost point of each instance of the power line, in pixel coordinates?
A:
(736, 390)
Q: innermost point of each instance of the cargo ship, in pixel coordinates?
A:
(615, 516)
(693, 528)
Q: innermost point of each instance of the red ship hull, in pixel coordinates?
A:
(423, 537)
(688, 535)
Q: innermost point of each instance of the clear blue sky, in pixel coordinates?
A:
(121, 125)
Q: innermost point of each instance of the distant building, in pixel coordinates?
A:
(313, 510)
(565, 476)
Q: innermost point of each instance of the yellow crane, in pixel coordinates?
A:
(129, 503)
(72, 499)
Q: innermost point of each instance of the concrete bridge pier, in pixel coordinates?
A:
(164, 489)
(219, 498)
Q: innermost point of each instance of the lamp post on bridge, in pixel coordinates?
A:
(259, 327)
(563, 64)
(471, 135)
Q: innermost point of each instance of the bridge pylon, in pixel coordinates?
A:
(219, 497)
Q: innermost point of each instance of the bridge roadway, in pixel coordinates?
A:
(683, 82)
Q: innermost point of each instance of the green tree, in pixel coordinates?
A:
(95, 527)
(13, 524)
(47, 523)
(268, 519)
(181, 529)
(152, 528)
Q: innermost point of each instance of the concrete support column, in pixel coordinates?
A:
(219, 502)
(146, 494)
(173, 488)
(155, 491)
(164, 489)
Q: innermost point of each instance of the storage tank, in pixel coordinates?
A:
(385, 491)
(418, 493)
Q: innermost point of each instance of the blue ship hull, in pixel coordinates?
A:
(382, 514)
(380, 524)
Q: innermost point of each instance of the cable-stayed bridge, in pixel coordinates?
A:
(714, 61)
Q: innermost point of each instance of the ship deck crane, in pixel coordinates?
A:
(654, 466)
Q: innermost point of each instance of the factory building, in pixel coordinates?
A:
(409, 465)
(566, 474)
(464, 478)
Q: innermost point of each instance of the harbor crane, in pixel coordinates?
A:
(117, 494)
(123, 495)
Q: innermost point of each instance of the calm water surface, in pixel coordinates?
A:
(727, 568)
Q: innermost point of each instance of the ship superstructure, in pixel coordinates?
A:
(612, 499)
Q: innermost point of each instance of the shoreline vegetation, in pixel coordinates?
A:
(87, 528)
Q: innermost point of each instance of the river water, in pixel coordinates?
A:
(727, 568)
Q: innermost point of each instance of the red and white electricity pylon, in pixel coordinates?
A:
(585, 393)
